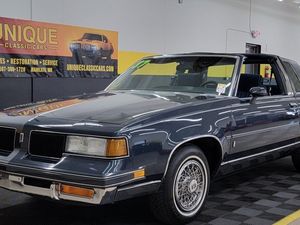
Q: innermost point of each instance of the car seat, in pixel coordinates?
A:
(247, 81)
(190, 79)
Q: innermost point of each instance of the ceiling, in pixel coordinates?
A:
(292, 3)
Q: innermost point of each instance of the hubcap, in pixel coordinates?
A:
(193, 186)
(190, 186)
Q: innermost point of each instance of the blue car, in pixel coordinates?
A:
(165, 128)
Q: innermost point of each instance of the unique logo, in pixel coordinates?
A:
(14, 36)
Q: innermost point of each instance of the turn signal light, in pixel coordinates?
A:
(116, 148)
(139, 173)
(77, 191)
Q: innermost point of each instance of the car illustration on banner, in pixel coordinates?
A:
(92, 46)
(165, 128)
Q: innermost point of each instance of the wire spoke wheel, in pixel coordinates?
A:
(190, 186)
(184, 188)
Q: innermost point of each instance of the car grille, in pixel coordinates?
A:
(47, 144)
(7, 140)
(86, 47)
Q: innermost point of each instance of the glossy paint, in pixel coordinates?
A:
(156, 126)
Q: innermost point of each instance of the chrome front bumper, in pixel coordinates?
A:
(16, 183)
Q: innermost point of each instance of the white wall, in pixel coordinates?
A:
(223, 25)
(164, 26)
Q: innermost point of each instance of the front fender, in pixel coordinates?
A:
(153, 146)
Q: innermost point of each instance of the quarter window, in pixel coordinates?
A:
(265, 75)
(292, 75)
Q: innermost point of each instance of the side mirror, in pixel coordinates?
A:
(257, 92)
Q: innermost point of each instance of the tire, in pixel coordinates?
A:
(166, 205)
(296, 159)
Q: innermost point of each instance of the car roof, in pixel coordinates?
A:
(247, 55)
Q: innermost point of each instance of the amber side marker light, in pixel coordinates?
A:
(139, 173)
(116, 148)
(77, 191)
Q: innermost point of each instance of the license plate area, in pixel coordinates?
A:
(37, 182)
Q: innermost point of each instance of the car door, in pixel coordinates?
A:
(267, 124)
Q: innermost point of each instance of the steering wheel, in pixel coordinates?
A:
(209, 82)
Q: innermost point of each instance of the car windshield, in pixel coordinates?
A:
(195, 74)
(95, 37)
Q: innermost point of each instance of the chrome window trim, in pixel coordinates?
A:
(188, 140)
(235, 77)
(269, 97)
(79, 155)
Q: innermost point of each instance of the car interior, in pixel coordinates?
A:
(260, 73)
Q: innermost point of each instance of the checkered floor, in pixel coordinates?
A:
(259, 196)
(256, 197)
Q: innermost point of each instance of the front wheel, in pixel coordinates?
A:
(296, 159)
(184, 188)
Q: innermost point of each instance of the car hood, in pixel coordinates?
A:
(116, 107)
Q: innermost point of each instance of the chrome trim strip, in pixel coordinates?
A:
(258, 154)
(71, 174)
(194, 55)
(81, 135)
(76, 183)
(185, 141)
(235, 77)
(139, 185)
(263, 130)
(263, 100)
(21, 139)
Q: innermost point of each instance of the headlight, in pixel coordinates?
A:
(97, 146)
(74, 46)
(94, 47)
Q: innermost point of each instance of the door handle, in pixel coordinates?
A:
(293, 104)
(294, 109)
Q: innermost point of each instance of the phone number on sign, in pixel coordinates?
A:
(19, 69)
